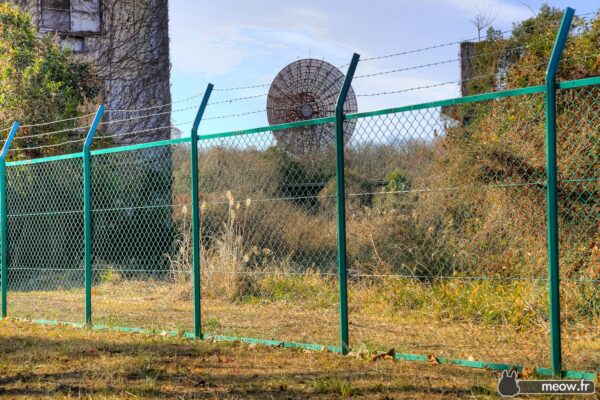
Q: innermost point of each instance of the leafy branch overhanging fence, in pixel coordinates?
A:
(444, 258)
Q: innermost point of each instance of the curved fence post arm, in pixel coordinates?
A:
(552, 191)
(87, 213)
(341, 204)
(3, 217)
(196, 213)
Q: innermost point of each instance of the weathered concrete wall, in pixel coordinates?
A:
(128, 41)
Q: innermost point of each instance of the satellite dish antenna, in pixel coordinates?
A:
(303, 90)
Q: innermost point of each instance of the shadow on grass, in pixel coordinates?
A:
(158, 367)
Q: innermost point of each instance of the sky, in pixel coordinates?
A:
(233, 43)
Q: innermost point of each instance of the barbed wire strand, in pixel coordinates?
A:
(36, 135)
(170, 126)
(437, 46)
(230, 89)
(57, 121)
(268, 84)
(463, 80)
(260, 111)
(442, 62)
(155, 107)
(385, 56)
(237, 99)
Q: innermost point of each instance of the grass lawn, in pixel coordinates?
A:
(39, 361)
(373, 325)
(65, 362)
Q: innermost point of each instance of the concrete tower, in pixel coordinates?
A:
(128, 42)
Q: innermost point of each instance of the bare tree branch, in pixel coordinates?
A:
(484, 19)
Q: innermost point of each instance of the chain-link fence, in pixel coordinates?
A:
(445, 210)
(45, 240)
(269, 241)
(578, 147)
(140, 227)
(446, 221)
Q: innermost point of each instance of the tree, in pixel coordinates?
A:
(40, 81)
(484, 19)
(520, 60)
(495, 150)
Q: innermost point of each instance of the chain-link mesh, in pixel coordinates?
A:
(578, 151)
(269, 241)
(446, 218)
(447, 231)
(45, 240)
(141, 237)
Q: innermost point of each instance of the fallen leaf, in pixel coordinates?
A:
(433, 360)
(389, 355)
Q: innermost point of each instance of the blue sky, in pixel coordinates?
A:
(239, 43)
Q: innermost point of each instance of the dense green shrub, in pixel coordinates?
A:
(39, 81)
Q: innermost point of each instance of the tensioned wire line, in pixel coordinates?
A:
(194, 108)
(181, 101)
(433, 47)
(267, 84)
(537, 183)
(371, 75)
(462, 80)
(227, 89)
(51, 122)
(442, 62)
(157, 106)
(51, 133)
(102, 123)
(171, 126)
(237, 99)
(265, 94)
(400, 276)
(241, 114)
(261, 85)
(227, 101)
(437, 46)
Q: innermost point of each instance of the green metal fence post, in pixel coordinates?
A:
(196, 213)
(87, 213)
(552, 191)
(3, 216)
(341, 203)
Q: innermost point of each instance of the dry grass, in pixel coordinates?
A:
(62, 362)
(376, 322)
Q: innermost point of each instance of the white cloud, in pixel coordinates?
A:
(210, 55)
(239, 43)
(218, 48)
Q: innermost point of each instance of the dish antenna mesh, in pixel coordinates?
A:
(303, 90)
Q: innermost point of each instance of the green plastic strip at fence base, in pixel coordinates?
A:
(496, 366)
(317, 347)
